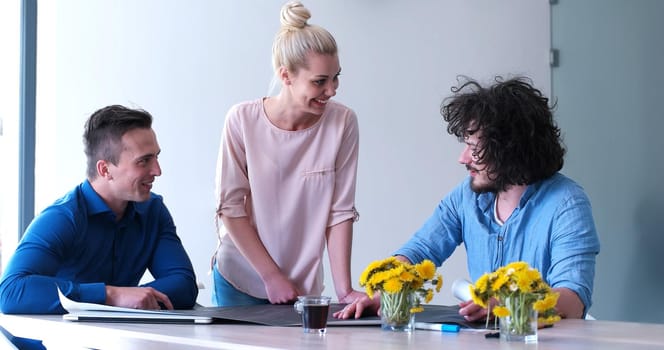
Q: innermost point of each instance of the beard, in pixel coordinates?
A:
(482, 187)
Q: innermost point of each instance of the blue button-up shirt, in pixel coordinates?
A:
(77, 245)
(552, 229)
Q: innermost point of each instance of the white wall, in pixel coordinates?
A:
(188, 62)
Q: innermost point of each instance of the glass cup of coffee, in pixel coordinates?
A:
(314, 310)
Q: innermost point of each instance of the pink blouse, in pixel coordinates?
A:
(292, 185)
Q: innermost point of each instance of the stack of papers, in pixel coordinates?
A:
(103, 313)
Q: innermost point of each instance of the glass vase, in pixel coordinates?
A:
(521, 324)
(395, 311)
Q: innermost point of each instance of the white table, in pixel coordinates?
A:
(567, 334)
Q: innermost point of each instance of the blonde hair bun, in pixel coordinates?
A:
(294, 15)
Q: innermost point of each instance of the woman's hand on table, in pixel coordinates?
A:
(359, 305)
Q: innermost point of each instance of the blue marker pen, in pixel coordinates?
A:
(441, 327)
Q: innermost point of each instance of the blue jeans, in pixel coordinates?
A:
(224, 294)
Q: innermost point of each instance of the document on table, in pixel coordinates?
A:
(90, 312)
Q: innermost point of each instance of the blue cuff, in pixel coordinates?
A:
(93, 293)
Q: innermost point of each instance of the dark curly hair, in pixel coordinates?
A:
(103, 133)
(519, 142)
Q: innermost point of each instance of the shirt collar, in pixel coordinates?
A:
(485, 200)
(96, 204)
(528, 193)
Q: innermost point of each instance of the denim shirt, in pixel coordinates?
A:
(552, 229)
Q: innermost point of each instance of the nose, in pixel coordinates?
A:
(466, 156)
(331, 88)
(156, 168)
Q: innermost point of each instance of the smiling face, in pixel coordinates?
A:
(132, 177)
(311, 87)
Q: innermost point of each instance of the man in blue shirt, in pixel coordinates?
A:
(515, 205)
(97, 241)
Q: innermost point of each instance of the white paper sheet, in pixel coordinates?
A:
(74, 306)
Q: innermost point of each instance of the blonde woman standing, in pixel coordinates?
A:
(286, 177)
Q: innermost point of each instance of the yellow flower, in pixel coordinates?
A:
(482, 283)
(416, 309)
(533, 275)
(364, 277)
(500, 282)
(429, 296)
(521, 284)
(417, 284)
(518, 265)
(378, 278)
(549, 320)
(397, 271)
(426, 269)
(476, 295)
(392, 276)
(393, 285)
(406, 276)
(549, 302)
(369, 290)
(501, 311)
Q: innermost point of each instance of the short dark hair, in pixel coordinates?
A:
(520, 143)
(103, 133)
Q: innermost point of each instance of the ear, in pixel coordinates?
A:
(284, 75)
(103, 170)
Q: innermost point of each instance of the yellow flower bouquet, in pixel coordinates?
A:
(519, 290)
(402, 288)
